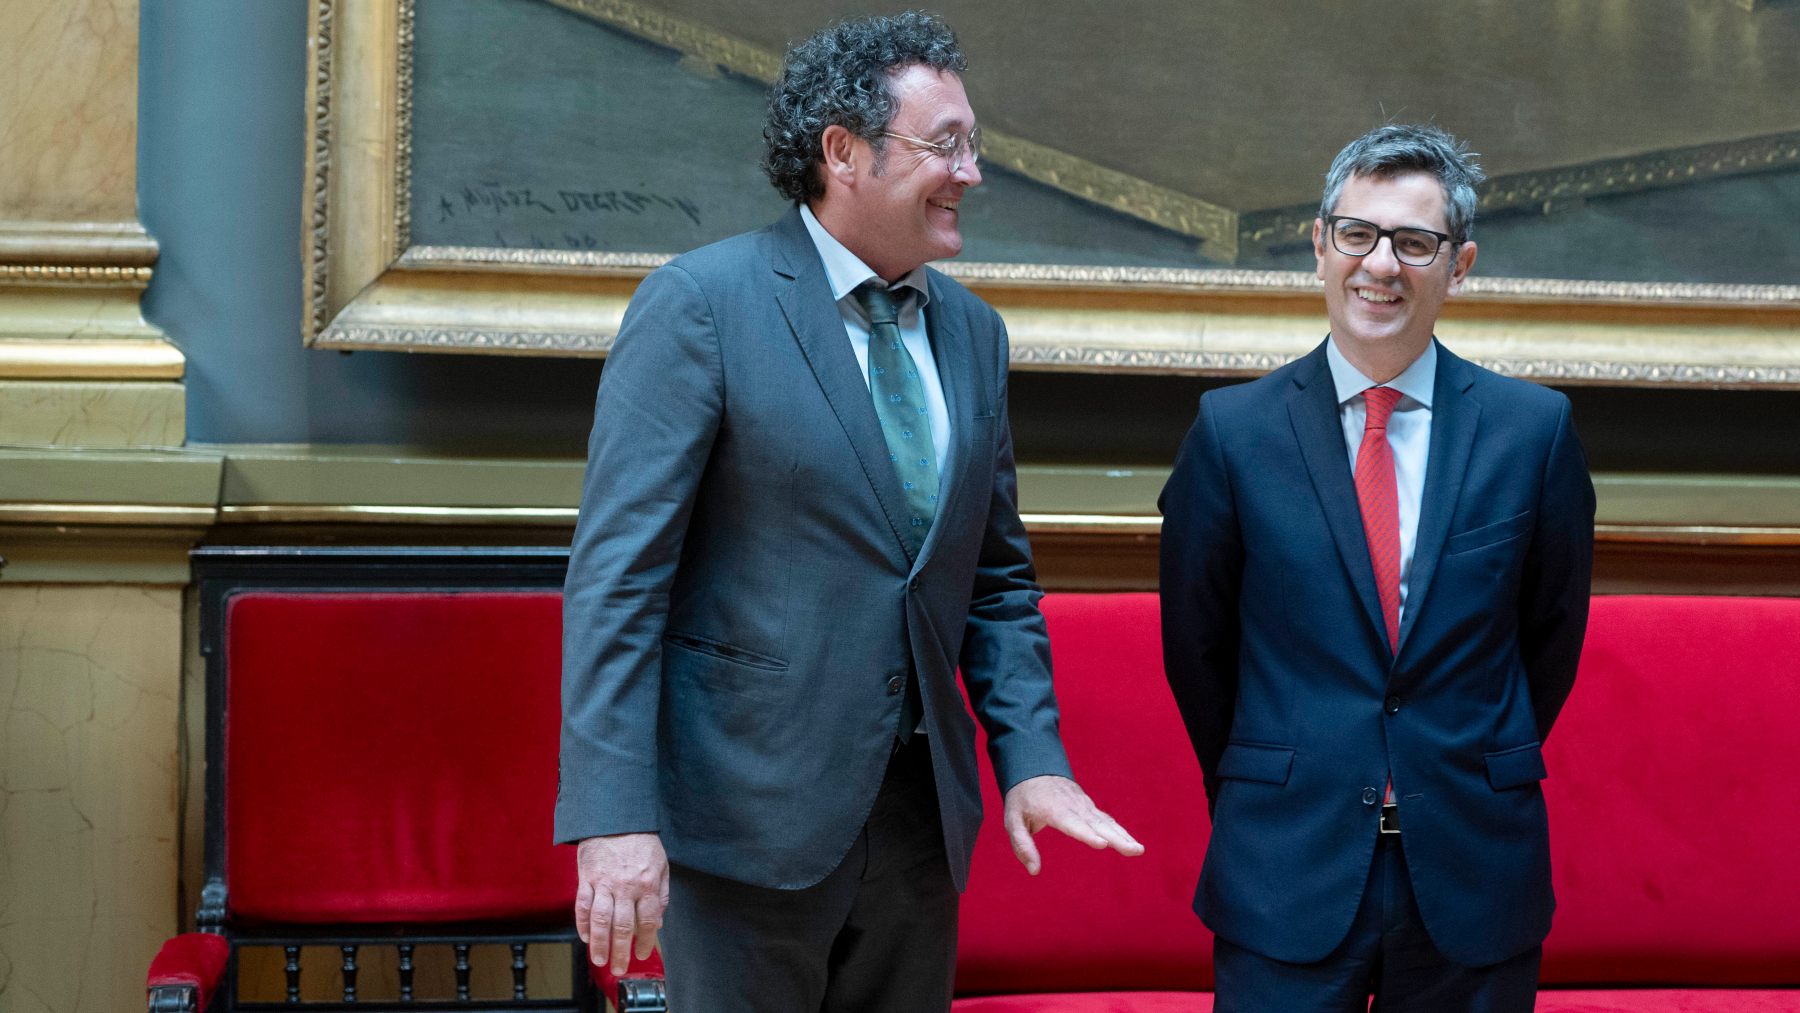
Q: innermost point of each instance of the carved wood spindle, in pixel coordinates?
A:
(518, 969)
(462, 972)
(406, 972)
(293, 972)
(349, 973)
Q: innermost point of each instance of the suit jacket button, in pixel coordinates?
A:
(913, 584)
(895, 685)
(1393, 705)
(1370, 795)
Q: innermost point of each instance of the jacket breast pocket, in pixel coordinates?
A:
(1489, 534)
(978, 469)
(981, 426)
(1516, 767)
(1245, 761)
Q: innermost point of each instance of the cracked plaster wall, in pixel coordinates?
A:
(89, 679)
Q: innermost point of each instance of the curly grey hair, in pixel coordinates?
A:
(1397, 148)
(840, 76)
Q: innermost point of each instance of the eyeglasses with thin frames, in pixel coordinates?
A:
(953, 149)
(1354, 237)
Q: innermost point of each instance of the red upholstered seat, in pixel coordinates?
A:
(1674, 823)
(392, 758)
(1668, 1000)
(1674, 796)
(1093, 920)
(1089, 1002)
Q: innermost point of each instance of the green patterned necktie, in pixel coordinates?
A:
(900, 404)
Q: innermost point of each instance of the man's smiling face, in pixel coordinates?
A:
(908, 197)
(1379, 307)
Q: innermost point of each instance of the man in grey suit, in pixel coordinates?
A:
(799, 519)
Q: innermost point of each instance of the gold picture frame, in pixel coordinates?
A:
(367, 287)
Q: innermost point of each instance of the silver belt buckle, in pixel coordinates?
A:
(1390, 819)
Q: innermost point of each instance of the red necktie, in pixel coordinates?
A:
(1379, 499)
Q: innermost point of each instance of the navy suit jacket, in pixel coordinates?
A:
(1276, 652)
(741, 608)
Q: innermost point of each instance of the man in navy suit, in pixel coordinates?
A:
(799, 521)
(1375, 570)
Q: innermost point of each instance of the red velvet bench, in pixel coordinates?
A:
(1674, 797)
(382, 757)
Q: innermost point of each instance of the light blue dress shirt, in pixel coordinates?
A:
(1409, 434)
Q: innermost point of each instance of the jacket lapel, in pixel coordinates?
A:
(1313, 410)
(952, 349)
(1455, 416)
(818, 328)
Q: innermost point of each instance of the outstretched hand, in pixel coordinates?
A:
(1053, 801)
(621, 892)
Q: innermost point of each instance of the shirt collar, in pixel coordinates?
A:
(1414, 382)
(846, 271)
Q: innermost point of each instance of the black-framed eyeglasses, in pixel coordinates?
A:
(953, 149)
(1354, 237)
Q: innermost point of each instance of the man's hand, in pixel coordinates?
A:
(622, 890)
(1052, 801)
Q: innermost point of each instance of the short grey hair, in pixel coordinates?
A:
(840, 77)
(1398, 148)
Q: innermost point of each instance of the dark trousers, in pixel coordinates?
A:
(878, 935)
(1386, 955)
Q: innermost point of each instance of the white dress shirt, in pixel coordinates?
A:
(846, 271)
(1408, 433)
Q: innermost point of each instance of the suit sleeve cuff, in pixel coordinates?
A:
(599, 807)
(1020, 763)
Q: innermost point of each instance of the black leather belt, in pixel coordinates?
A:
(1390, 819)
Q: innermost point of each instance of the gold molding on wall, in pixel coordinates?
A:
(73, 274)
(314, 513)
(350, 513)
(1695, 534)
(88, 359)
(89, 331)
(353, 161)
(73, 514)
(1092, 524)
(77, 244)
(483, 311)
(108, 514)
(149, 515)
(549, 302)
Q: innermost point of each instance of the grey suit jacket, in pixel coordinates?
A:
(740, 600)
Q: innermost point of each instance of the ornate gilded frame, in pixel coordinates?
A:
(367, 288)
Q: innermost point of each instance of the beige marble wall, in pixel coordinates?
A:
(92, 414)
(89, 677)
(68, 141)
